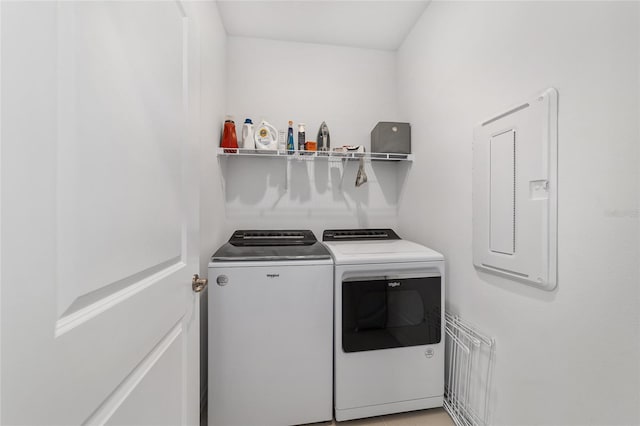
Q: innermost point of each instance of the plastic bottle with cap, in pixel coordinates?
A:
(282, 141)
(291, 146)
(247, 135)
(229, 138)
(266, 136)
(301, 137)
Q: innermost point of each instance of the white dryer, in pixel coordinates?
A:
(389, 324)
(270, 330)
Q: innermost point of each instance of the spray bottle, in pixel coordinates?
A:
(291, 147)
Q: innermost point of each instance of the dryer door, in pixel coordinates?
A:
(390, 312)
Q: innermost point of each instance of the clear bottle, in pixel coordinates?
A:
(282, 141)
(301, 137)
(291, 146)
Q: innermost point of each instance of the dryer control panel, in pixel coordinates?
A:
(359, 235)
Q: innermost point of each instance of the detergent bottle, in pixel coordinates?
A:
(229, 138)
(266, 136)
(247, 135)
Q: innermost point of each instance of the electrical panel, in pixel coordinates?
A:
(515, 192)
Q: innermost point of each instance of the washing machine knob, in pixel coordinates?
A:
(222, 280)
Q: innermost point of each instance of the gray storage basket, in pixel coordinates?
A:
(389, 136)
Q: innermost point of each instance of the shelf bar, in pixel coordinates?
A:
(312, 155)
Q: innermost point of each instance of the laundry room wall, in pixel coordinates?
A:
(207, 78)
(210, 117)
(349, 88)
(569, 356)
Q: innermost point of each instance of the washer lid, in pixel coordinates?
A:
(248, 238)
(385, 251)
(271, 245)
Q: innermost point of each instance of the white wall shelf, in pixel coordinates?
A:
(314, 155)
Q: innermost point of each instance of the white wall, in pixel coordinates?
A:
(349, 88)
(213, 89)
(208, 76)
(570, 356)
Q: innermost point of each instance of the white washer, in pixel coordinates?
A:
(270, 330)
(389, 324)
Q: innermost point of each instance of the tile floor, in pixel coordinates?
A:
(432, 417)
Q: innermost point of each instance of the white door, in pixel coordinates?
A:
(98, 218)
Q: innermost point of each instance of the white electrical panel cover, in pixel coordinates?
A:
(515, 192)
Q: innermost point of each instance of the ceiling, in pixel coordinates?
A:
(374, 24)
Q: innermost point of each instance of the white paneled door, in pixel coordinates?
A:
(98, 215)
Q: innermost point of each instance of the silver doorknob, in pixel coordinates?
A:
(198, 284)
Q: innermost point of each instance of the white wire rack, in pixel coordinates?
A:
(313, 155)
(468, 371)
